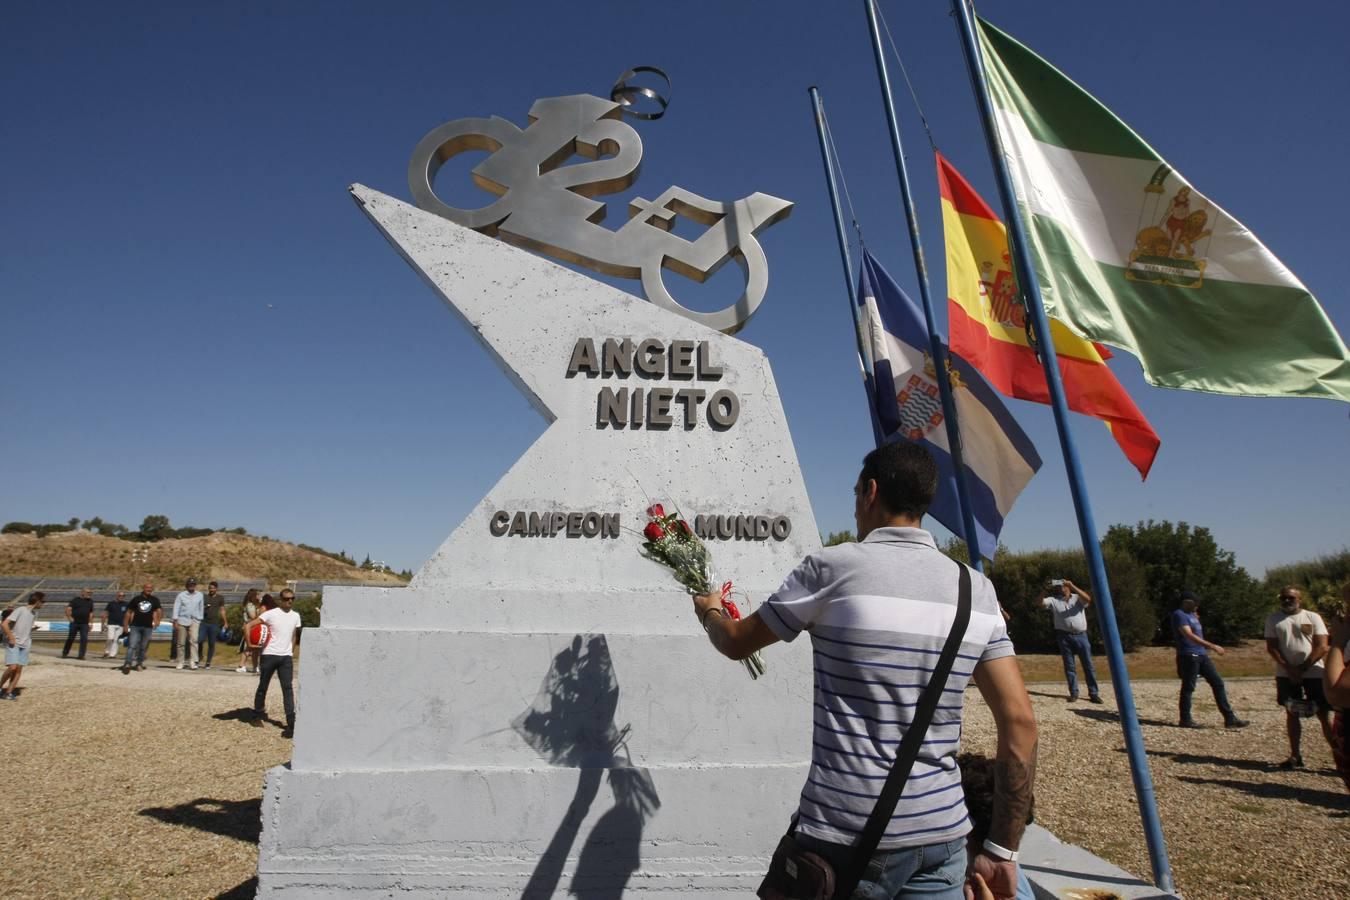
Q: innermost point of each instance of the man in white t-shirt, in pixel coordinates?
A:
(283, 624)
(1297, 640)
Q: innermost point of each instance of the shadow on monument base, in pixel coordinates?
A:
(571, 723)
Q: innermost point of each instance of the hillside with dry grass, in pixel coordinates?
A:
(222, 557)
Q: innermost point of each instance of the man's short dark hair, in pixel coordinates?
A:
(906, 477)
(38, 596)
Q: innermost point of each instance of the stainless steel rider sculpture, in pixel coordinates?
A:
(546, 206)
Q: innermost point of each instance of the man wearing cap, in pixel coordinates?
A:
(188, 608)
(1297, 640)
(1193, 662)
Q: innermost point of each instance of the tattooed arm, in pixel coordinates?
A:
(1000, 683)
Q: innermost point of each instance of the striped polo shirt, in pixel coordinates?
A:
(878, 613)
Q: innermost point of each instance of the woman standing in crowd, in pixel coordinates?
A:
(248, 656)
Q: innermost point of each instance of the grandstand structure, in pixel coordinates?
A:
(51, 619)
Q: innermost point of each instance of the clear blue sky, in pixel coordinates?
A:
(198, 321)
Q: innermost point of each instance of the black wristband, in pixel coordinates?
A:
(703, 619)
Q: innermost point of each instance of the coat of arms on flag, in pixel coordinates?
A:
(1164, 251)
(998, 287)
(920, 401)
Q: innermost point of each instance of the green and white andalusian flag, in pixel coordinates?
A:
(1129, 254)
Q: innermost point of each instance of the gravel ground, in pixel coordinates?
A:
(1234, 826)
(133, 785)
(146, 785)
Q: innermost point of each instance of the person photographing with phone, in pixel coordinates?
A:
(1068, 604)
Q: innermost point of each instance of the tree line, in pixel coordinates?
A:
(1148, 565)
(158, 528)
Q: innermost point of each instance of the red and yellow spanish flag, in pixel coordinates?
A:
(989, 328)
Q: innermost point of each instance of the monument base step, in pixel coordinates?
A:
(539, 832)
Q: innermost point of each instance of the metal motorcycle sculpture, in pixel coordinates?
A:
(545, 205)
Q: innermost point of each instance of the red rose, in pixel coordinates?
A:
(653, 532)
(685, 529)
(656, 511)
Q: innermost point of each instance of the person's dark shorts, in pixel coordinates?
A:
(1287, 689)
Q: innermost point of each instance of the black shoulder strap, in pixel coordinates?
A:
(847, 880)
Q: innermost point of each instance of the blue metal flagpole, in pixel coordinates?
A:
(1027, 278)
(864, 358)
(935, 340)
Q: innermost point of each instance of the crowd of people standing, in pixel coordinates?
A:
(266, 642)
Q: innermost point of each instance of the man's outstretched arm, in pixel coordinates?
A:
(734, 639)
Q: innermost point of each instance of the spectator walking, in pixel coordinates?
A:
(283, 623)
(114, 618)
(878, 612)
(188, 609)
(18, 630)
(1069, 608)
(143, 615)
(79, 613)
(248, 656)
(1193, 662)
(213, 622)
(1336, 684)
(1297, 640)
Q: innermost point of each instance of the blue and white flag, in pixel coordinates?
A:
(903, 393)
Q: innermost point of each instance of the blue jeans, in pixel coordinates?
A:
(138, 641)
(1071, 645)
(933, 871)
(1192, 666)
(206, 637)
(77, 629)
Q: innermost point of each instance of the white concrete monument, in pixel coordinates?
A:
(538, 713)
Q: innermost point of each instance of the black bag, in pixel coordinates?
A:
(797, 874)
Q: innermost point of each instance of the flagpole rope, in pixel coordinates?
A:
(839, 168)
(903, 71)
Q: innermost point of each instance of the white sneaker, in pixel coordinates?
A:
(241, 670)
(194, 667)
(179, 666)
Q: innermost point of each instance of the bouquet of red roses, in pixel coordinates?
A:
(672, 543)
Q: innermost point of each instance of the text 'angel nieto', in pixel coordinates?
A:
(655, 407)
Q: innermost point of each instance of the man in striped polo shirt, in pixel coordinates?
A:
(878, 612)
